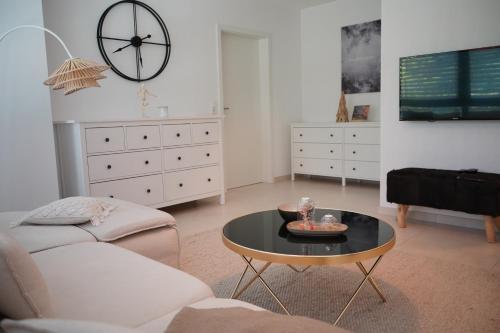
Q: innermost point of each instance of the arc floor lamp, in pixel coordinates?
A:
(75, 73)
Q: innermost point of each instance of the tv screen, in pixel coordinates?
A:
(458, 85)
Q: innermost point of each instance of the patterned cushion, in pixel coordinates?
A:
(73, 210)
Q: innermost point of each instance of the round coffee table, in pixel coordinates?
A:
(263, 236)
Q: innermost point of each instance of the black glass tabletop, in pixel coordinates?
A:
(266, 232)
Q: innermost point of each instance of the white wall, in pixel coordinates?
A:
(189, 83)
(28, 174)
(322, 55)
(417, 27)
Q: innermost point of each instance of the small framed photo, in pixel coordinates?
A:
(360, 113)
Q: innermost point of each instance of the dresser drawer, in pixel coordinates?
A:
(362, 170)
(205, 132)
(318, 150)
(362, 135)
(146, 190)
(362, 152)
(178, 158)
(124, 165)
(176, 135)
(106, 139)
(319, 135)
(187, 183)
(312, 166)
(139, 137)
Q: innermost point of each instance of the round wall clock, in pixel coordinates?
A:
(133, 40)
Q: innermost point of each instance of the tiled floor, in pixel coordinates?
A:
(453, 244)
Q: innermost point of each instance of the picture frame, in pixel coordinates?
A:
(360, 113)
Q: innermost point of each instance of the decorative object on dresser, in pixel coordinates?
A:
(467, 191)
(360, 113)
(114, 48)
(75, 73)
(153, 162)
(345, 150)
(342, 115)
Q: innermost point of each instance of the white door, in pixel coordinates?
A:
(243, 123)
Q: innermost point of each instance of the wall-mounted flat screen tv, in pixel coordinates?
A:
(458, 85)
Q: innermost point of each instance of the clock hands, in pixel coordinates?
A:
(135, 41)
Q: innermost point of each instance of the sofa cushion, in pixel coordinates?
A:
(36, 238)
(126, 219)
(160, 324)
(60, 326)
(102, 282)
(23, 292)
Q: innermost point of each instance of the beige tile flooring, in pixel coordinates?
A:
(453, 244)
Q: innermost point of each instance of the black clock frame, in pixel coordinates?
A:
(135, 41)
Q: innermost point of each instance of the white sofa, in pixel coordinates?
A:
(99, 282)
(68, 273)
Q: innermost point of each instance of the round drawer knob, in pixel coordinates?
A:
(209, 179)
(331, 151)
(178, 135)
(300, 150)
(300, 134)
(148, 190)
(181, 185)
(353, 169)
(331, 135)
(208, 154)
(354, 135)
(146, 162)
(301, 165)
(207, 133)
(111, 196)
(109, 166)
(179, 158)
(331, 167)
(106, 140)
(145, 137)
(354, 152)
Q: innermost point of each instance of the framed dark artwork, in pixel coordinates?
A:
(133, 39)
(360, 113)
(361, 57)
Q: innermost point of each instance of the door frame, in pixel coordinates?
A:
(264, 40)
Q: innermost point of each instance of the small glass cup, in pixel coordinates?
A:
(328, 219)
(305, 210)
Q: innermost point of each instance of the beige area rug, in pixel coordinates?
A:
(424, 294)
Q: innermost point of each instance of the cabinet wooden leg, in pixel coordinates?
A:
(489, 225)
(402, 211)
(497, 221)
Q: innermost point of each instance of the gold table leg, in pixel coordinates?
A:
(366, 278)
(370, 279)
(257, 276)
(239, 281)
(293, 268)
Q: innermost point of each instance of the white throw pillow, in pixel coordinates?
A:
(73, 210)
(61, 326)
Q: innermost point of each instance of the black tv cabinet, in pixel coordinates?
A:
(463, 190)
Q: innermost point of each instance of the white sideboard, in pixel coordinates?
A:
(344, 150)
(153, 162)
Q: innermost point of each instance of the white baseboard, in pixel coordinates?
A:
(438, 216)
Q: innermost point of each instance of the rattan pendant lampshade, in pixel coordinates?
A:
(75, 73)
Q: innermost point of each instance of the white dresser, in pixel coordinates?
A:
(151, 162)
(344, 150)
